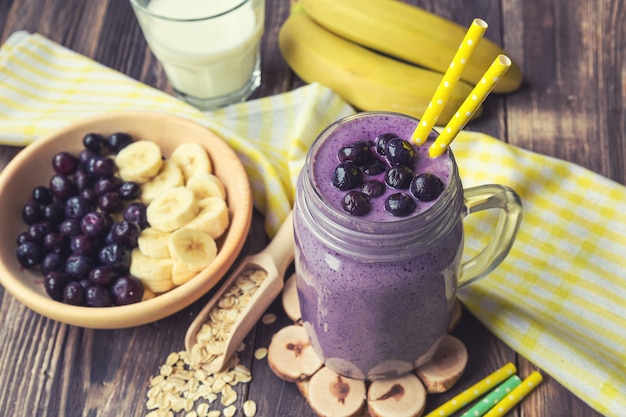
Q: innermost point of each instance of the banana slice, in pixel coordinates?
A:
(290, 301)
(154, 273)
(446, 366)
(399, 397)
(172, 210)
(153, 243)
(332, 395)
(291, 356)
(206, 185)
(181, 273)
(170, 176)
(193, 248)
(139, 162)
(213, 218)
(192, 159)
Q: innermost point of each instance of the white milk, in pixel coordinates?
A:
(204, 58)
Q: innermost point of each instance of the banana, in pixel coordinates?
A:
(213, 218)
(182, 273)
(154, 273)
(192, 159)
(206, 185)
(365, 79)
(193, 248)
(169, 176)
(139, 162)
(172, 210)
(290, 354)
(330, 394)
(153, 243)
(408, 33)
(404, 396)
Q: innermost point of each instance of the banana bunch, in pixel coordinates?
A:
(186, 211)
(383, 54)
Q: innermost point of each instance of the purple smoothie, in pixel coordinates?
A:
(376, 292)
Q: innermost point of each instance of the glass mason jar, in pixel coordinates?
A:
(376, 294)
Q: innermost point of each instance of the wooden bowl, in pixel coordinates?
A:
(32, 167)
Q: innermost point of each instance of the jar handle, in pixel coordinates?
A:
(487, 197)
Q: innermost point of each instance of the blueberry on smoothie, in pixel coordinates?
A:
(399, 177)
(347, 176)
(359, 152)
(373, 188)
(356, 203)
(399, 151)
(400, 204)
(381, 142)
(426, 187)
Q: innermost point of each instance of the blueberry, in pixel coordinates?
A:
(373, 188)
(38, 231)
(81, 179)
(399, 151)
(70, 227)
(400, 204)
(52, 261)
(42, 195)
(399, 177)
(374, 168)
(356, 203)
(115, 256)
(381, 142)
(101, 167)
(82, 245)
(85, 156)
(74, 294)
(95, 142)
(76, 207)
(426, 187)
(54, 283)
(103, 275)
(78, 267)
(55, 242)
(359, 152)
(64, 163)
(31, 212)
(62, 187)
(125, 233)
(127, 290)
(130, 190)
(110, 202)
(347, 176)
(54, 213)
(118, 141)
(136, 213)
(29, 254)
(103, 185)
(97, 296)
(95, 224)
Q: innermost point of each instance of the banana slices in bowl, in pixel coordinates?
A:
(200, 210)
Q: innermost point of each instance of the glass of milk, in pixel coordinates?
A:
(209, 49)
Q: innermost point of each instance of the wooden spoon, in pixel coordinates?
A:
(274, 260)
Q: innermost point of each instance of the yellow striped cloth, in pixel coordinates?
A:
(559, 299)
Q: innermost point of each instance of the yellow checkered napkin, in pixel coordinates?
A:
(559, 298)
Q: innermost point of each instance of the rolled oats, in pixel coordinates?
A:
(183, 379)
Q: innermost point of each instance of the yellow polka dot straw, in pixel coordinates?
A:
(474, 392)
(517, 395)
(450, 79)
(480, 92)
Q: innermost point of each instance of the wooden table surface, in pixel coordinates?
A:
(572, 106)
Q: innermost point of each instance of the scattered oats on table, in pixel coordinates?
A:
(183, 382)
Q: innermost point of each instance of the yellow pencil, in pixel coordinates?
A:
(474, 392)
